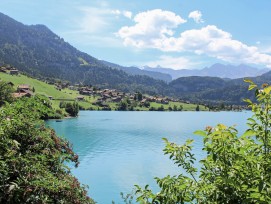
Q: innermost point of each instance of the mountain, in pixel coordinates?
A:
(216, 70)
(216, 90)
(196, 84)
(136, 71)
(37, 51)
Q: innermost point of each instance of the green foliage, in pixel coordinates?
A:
(123, 105)
(72, 109)
(37, 104)
(236, 168)
(5, 93)
(138, 96)
(161, 108)
(33, 158)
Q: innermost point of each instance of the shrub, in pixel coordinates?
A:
(33, 159)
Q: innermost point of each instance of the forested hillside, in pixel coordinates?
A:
(39, 52)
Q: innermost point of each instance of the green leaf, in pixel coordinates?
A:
(248, 133)
(247, 101)
(267, 90)
(248, 81)
(252, 86)
(200, 133)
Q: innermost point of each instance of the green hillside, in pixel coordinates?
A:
(46, 89)
(70, 95)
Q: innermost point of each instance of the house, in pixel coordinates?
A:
(3, 69)
(14, 72)
(50, 97)
(23, 93)
(23, 87)
(116, 99)
(80, 98)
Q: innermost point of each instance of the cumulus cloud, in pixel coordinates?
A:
(217, 43)
(151, 28)
(196, 16)
(172, 62)
(155, 29)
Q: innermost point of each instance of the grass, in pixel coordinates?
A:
(185, 106)
(40, 87)
(45, 89)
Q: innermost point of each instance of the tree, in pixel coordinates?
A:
(123, 105)
(6, 91)
(33, 159)
(161, 108)
(72, 109)
(139, 96)
(236, 168)
(197, 108)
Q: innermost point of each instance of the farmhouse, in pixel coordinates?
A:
(23, 87)
(14, 72)
(80, 98)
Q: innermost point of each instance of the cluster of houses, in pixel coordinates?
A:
(112, 95)
(9, 70)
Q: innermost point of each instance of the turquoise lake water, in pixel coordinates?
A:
(120, 149)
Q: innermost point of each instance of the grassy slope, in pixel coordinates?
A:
(49, 90)
(44, 89)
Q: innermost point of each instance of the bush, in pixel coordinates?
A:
(33, 158)
(236, 168)
(5, 93)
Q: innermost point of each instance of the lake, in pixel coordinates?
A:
(120, 149)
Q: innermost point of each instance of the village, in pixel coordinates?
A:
(102, 98)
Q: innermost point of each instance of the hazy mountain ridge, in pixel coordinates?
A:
(216, 70)
(136, 71)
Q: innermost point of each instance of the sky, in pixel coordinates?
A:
(178, 34)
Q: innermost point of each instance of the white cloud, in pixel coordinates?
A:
(172, 62)
(217, 43)
(196, 16)
(150, 29)
(93, 20)
(127, 14)
(155, 29)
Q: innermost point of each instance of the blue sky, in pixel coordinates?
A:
(177, 34)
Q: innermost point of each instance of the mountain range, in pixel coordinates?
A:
(38, 52)
(216, 70)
